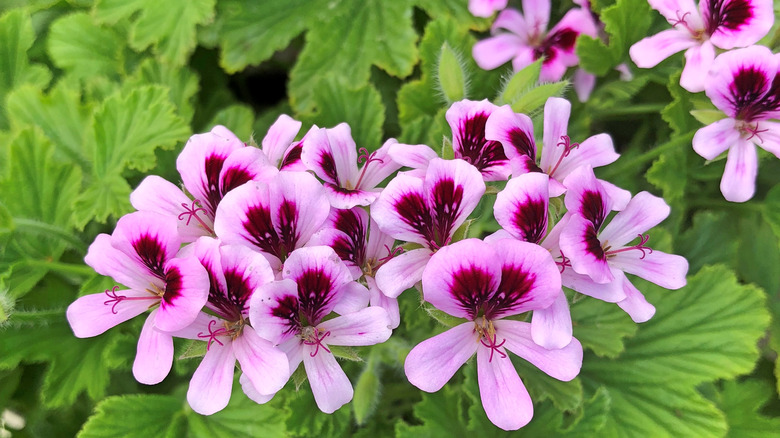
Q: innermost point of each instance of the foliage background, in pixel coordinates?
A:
(95, 94)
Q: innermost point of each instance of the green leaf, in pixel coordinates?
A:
(712, 239)
(535, 98)
(127, 128)
(703, 332)
(78, 45)
(566, 396)
(335, 101)
(670, 173)
(741, 402)
(380, 33)
(678, 113)
(593, 416)
(238, 118)
(455, 9)
(17, 36)
(306, 420)
(601, 327)
(520, 83)
(168, 26)
(452, 80)
(241, 417)
(772, 209)
(442, 415)
(135, 416)
(758, 253)
(182, 83)
(625, 22)
(367, 389)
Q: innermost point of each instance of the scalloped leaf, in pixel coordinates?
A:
(78, 45)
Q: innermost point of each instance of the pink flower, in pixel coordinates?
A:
(140, 254)
(560, 155)
(290, 312)
(235, 273)
(523, 38)
(604, 255)
(744, 84)
(210, 166)
(715, 23)
(484, 283)
(426, 211)
(331, 154)
(280, 147)
(486, 8)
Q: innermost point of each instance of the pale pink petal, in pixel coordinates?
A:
(252, 392)
(378, 166)
(673, 10)
(587, 197)
(379, 244)
(583, 83)
(344, 154)
(698, 60)
(93, 314)
(635, 303)
(202, 329)
(521, 208)
(595, 151)
(460, 274)
(401, 207)
(369, 326)
(577, 20)
(563, 364)
(233, 215)
(496, 51)
(292, 155)
(293, 348)
(212, 382)
(581, 245)
(416, 156)
(279, 137)
(253, 267)
(402, 271)
(712, 140)
(186, 293)
(273, 310)
(514, 131)
(154, 354)
(433, 362)
(611, 292)
(619, 198)
(504, 397)
(330, 386)
(525, 56)
(243, 165)
(346, 199)
(486, 8)
(739, 178)
(317, 155)
(124, 269)
(648, 52)
(742, 75)
(537, 16)
(556, 121)
(149, 238)
(498, 235)
(511, 20)
(770, 137)
(298, 206)
(665, 270)
(201, 155)
(379, 299)
(353, 297)
(643, 212)
(745, 23)
(266, 366)
(161, 196)
(551, 327)
(554, 67)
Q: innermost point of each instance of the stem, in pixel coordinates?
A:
(723, 204)
(63, 268)
(647, 108)
(34, 226)
(633, 163)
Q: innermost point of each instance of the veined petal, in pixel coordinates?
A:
(293, 348)
(521, 208)
(504, 397)
(206, 250)
(643, 212)
(416, 156)
(274, 311)
(698, 60)
(266, 366)
(674, 10)
(401, 210)
(353, 297)
(124, 269)
(212, 382)
(587, 197)
(713, 139)
(770, 137)
(186, 292)
(243, 165)
(562, 364)
(342, 243)
(345, 199)
(252, 392)
(291, 161)
(93, 314)
(467, 119)
(739, 178)
(453, 189)
(433, 362)
(611, 292)
(739, 81)
(154, 355)
(551, 327)
(595, 151)
(556, 121)
(665, 270)
(298, 207)
(580, 243)
(635, 303)
(158, 195)
(511, 20)
(402, 271)
(148, 238)
(514, 131)
(279, 138)
(496, 51)
(486, 8)
(329, 384)
(461, 278)
(737, 23)
(244, 218)
(318, 156)
(369, 326)
(377, 298)
(648, 52)
(537, 16)
(378, 166)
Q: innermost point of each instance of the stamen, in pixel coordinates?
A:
(680, 20)
(640, 246)
(116, 298)
(754, 131)
(493, 346)
(191, 211)
(434, 246)
(318, 342)
(364, 156)
(568, 146)
(212, 335)
(564, 263)
(391, 253)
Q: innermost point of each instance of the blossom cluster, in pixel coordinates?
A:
(721, 58)
(274, 255)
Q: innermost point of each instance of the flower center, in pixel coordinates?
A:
(191, 212)
(750, 130)
(640, 246)
(368, 159)
(311, 336)
(488, 337)
(227, 329)
(697, 34)
(373, 264)
(115, 298)
(568, 146)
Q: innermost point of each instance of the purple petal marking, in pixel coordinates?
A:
(287, 308)
(413, 210)
(512, 291)
(173, 284)
(748, 92)
(562, 39)
(328, 165)
(446, 201)
(213, 167)
(593, 207)
(234, 177)
(523, 144)
(352, 245)
(292, 156)
(474, 147)
(286, 222)
(531, 218)
(472, 287)
(152, 254)
(315, 293)
(261, 230)
(731, 14)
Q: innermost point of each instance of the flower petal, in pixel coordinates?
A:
(551, 327)
(243, 165)
(379, 299)
(635, 303)
(511, 20)
(266, 366)
(433, 362)
(353, 297)
(648, 52)
(611, 292)
(595, 151)
(186, 292)
(321, 277)
(486, 8)
(496, 51)
(521, 208)
(212, 382)
(148, 238)
(154, 355)
(369, 326)
(504, 397)
(514, 131)
(698, 60)
(739, 178)
(563, 364)
(739, 81)
(582, 246)
(274, 311)
(642, 213)
(318, 156)
(587, 197)
(158, 195)
(537, 16)
(713, 139)
(739, 23)
(93, 314)
(329, 384)
(252, 392)
(416, 156)
(583, 83)
(453, 189)
(665, 270)
(467, 119)
(279, 138)
(556, 121)
(401, 209)
(344, 199)
(402, 271)
(378, 166)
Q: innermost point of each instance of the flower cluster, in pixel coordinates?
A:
(271, 266)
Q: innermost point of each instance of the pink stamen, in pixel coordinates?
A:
(564, 263)
(116, 298)
(318, 342)
(191, 211)
(364, 156)
(391, 253)
(640, 246)
(754, 131)
(212, 335)
(568, 146)
(493, 346)
(681, 20)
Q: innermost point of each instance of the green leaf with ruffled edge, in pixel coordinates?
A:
(442, 415)
(77, 45)
(306, 420)
(239, 118)
(601, 327)
(136, 416)
(741, 402)
(706, 331)
(626, 22)
(182, 83)
(169, 26)
(126, 130)
(17, 36)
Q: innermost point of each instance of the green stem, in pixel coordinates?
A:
(63, 268)
(34, 226)
(632, 164)
(647, 108)
(722, 204)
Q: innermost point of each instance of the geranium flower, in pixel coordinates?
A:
(560, 156)
(274, 217)
(279, 146)
(715, 23)
(291, 311)
(745, 85)
(140, 254)
(604, 254)
(210, 165)
(425, 211)
(331, 154)
(523, 38)
(484, 283)
(486, 8)
(364, 248)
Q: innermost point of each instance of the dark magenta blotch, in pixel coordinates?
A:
(731, 14)
(475, 148)
(512, 291)
(315, 293)
(287, 308)
(152, 254)
(472, 287)
(352, 247)
(213, 167)
(174, 283)
(234, 177)
(593, 208)
(531, 219)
